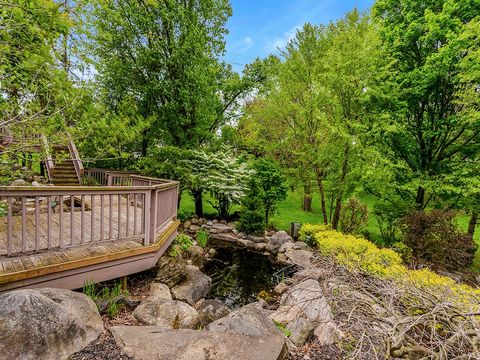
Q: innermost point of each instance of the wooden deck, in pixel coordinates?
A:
(114, 230)
(105, 223)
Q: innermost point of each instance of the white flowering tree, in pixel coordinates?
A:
(221, 174)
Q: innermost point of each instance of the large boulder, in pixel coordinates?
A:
(211, 310)
(195, 286)
(160, 291)
(303, 300)
(167, 314)
(248, 320)
(171, 270)
(277, 240)
(46, 323)
(300, 331)
(153, 343)
(299, 257)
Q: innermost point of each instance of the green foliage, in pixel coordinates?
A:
(223, 175)
(107, 295)
(3, 209)
(184, 215)
(354, 216)
(271, 185)
(251, 221)
(388, 216)
(181, 243)
(360, 254)
(436, 240)
(202, 238)
(282, 328)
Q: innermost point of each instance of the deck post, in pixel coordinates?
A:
(153, 214)
(147, 217)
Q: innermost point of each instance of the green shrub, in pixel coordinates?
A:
(358, 253)
(184, 215)
(202, 238)
(106, 295)
(181, 243)
(251, 220)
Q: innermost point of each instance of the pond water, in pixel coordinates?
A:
(239, 275)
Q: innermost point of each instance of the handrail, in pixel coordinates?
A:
(49, 165)
(75, 156)
(126, 207)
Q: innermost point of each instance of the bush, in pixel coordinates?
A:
(202, 238)
(307, 231)
(354, 216)
(436, 240)
(251, 219)
(184, 215)
(181, 243)
(106, 296)
(357, 253)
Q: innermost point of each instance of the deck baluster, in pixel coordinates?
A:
(9, 226)
(49, 222)
(82, 219)
(92, 218)
(60, 242)
(37, 222)
(24, 223)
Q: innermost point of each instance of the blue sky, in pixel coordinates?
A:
(257, 28)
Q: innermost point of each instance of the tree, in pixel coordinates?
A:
(163, 56)
(220, 173)
(271, 185)
(433, 120)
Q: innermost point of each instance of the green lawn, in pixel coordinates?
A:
(290, 210)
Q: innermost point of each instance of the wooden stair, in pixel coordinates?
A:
(64, 172)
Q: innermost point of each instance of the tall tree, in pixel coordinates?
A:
(163, 55)
(429, 127)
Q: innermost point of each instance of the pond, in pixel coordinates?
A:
(239, 275)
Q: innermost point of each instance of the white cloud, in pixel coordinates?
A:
(281, 42)
(246, 44)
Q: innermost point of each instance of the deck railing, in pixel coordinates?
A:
(120, 206)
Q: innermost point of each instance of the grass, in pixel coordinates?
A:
(290, 210)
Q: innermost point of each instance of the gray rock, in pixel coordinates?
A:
(194, 221)
(280, 288)
(167, 314)
(211, 310)
(256, 239)
(224, 237)
(153, 343)
(300, 245)
(277, 240)
(245, 243)
(195, 286)
(46, 323)
(212, 252)
(194, 228)
(249, 320)
(327, 333)
(303, 300)
(300, 330)
(221, 228)
(171, 270)
(187, 224)
(285, 247)
(283, 260)
(160, 291)
(19, 182)
(195, 253)
(299, 257)
(259, 246)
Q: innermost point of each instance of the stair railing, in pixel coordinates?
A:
(49, 164)
(77, 161)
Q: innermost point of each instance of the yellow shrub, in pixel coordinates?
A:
(357, 252)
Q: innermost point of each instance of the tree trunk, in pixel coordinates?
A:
(321, 190)
(307, 198)
(420, 199)
(197, 198)
(343, 175)
(472, 224)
